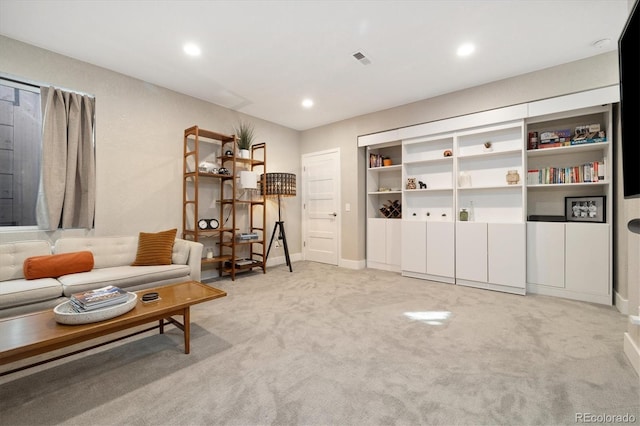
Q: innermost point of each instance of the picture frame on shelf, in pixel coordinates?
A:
(585, 209)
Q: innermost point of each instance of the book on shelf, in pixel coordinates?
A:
(589, 140)
(375, 160)
(601, 170)
(242, 262)
(585, 173)
(378, 160)
(557, 138)
(550, 145)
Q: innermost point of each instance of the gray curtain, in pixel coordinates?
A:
(66, 197)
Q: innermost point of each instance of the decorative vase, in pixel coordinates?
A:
(464, 215)
(464, 180)
(245, 153)
(513, 177)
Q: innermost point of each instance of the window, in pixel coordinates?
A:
(20, 152)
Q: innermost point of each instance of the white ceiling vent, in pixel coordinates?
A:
(361, 58)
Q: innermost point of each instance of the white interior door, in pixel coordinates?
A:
(320, 206)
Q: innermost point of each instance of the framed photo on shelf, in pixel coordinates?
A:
(585, 209)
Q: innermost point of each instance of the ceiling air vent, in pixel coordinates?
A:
(361, 58)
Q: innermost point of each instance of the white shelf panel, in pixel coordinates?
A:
(491, 153)
(428, 205)
(384, 192)
(430, 161)
(429, 190)
(427, 151)
(572, 149)
(503, 138)
(556, 186)
(485, 187)
(436, 177)
(383, 169)
(493, 205)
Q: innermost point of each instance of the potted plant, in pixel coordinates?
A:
(245, 134)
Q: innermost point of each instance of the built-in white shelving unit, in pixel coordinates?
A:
(428, 224)
(490, 244)
(510, 239)
(384, 188)
(580, 266)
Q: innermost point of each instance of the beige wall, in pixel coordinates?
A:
(139, 143)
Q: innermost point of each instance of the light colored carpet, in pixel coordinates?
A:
(331, 346)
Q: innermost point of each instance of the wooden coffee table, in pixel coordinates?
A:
(34, 334)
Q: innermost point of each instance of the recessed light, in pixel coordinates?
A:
(307, 103)
(191, 49)
(466, 49)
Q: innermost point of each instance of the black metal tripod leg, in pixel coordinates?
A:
(286, 247)
(275, 226)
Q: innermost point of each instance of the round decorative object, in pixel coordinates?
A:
(213, 224)
(203, 224)
(228, 153)
(223, 171)
(447, 153)
(64, 313)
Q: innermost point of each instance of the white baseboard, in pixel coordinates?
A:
(632, 351)
(382, 266)
(282, 260)
(546, 290)
(622, 304)
(352, 264)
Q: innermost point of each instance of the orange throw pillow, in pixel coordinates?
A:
(56, 265)
(155, 249)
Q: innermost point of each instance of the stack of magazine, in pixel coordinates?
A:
(98, 298)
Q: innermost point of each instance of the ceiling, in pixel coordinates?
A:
(263, 57)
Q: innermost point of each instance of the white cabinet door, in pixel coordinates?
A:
(393, 242)
(587, 258)
(376, 240)
(471, 251)
(414, 246)
(507, 254)
(545, 253)
(441, 249)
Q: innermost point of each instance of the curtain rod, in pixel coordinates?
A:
(38, 85)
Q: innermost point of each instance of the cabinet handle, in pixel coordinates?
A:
(334, 214)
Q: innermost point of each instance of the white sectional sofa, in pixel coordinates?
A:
(112, 256)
